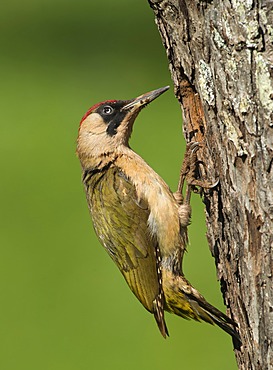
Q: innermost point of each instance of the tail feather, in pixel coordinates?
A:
(185, 301)
(159, 317)
(217, 317)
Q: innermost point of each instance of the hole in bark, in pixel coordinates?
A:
(270, 166)
(207, 203)
(216, 253)
(192, 134)
(239, 161)
(237, 274)
(202, 129)
(223, 285)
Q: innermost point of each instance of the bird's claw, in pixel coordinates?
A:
(190, 172)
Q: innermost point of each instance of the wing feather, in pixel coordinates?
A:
(121, 223)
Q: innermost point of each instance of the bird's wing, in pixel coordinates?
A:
(120, 221)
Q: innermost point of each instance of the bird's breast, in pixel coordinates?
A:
(163, 219)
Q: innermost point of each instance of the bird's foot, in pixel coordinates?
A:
(191, 172)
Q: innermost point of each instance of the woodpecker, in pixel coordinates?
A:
(138, 220)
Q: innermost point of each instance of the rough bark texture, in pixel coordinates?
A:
(221, 61)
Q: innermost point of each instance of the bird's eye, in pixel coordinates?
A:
(108, 109)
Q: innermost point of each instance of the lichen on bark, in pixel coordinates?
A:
(221, 62)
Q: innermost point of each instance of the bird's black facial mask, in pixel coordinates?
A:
(112, 115)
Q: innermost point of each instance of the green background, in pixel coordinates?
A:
(63, 303)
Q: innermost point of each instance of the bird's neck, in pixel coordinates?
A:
(121, 155)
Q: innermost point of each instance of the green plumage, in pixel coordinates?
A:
(120, 221)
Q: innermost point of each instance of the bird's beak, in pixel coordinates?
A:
(142, 100)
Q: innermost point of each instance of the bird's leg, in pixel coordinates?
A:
(189, 173)
(186, 173)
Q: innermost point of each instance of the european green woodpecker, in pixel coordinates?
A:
(138, 220)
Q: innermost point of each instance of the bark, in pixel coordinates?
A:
(221, 61)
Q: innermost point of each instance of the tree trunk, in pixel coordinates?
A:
(221, 61)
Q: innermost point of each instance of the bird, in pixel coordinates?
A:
(138, 220)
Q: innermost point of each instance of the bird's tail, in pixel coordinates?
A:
(185, 301)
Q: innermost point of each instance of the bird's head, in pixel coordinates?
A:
(107, 126)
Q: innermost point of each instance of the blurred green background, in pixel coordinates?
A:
(64, 305)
